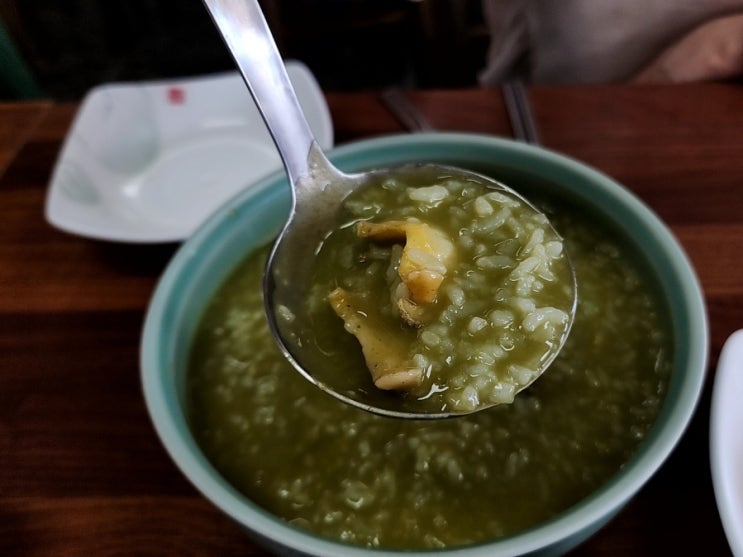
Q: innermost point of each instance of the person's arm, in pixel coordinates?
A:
(711, 51)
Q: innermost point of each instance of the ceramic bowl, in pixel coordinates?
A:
(252, 218)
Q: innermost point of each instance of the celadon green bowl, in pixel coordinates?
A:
(255, 216)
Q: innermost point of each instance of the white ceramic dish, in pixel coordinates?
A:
(148, 162)
(726, 440)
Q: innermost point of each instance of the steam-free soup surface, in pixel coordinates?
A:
(459, 294)
(345, 474)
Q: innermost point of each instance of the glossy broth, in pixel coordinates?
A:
(363, 479)
(497, 319)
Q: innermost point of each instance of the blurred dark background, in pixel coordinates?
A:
(61, 48)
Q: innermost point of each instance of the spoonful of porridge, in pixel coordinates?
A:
(415, 291)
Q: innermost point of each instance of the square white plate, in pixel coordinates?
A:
(148, 162)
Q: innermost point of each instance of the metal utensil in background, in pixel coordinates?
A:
(515, 97)
(519, 112)
(403, 109)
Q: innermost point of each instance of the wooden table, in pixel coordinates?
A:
(81, 470)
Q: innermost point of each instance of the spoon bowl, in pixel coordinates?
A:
(318, 191)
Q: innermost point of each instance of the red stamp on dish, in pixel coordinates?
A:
(176, 95)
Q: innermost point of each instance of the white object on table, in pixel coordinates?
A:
(726, 440)
(149, 162)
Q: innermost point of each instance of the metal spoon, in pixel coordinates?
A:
(318, 189)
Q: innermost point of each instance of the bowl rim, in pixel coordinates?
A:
(163, 404)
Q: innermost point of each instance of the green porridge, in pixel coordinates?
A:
(368, 480)
(457, 295)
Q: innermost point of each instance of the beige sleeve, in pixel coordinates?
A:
(710, 51)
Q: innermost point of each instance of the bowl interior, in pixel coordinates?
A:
(252, 218)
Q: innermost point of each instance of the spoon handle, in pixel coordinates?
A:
(245, 31)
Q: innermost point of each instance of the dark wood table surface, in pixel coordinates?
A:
(81, 470)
